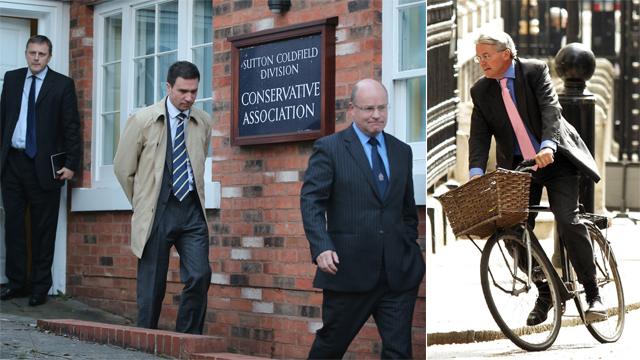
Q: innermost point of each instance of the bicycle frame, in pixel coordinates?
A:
(531, 240)
(514, 261)
(566, 278)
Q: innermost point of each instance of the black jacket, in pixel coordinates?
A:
(57, 122)
(540, 111)
(342, 211)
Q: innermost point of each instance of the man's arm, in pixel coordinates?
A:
(314, 197)
(550, 113)
(208, 137)
(3, 110)
(479, 140)
(409, 211)
(72, 143)
(125, 163)
(550, 109)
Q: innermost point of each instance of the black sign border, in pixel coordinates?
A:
(327, 29)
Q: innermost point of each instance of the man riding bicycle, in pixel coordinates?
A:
(515, 103)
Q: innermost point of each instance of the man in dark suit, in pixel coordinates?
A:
(38, 118)
(515, 103)
(160, 166)
(360, 218)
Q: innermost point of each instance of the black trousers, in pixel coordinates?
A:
(20, 188)
(561, 179)
(344, 314)
(183, 226)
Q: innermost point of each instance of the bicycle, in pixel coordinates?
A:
(513, 260)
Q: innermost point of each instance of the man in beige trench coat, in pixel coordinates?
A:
(160, 166)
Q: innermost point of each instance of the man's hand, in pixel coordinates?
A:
(328, 261)
(544, 157)
(64, 174)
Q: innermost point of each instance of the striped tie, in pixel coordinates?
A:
(180, 161)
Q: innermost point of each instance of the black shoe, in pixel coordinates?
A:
(9, 293)
(36, 300)
(539, 313)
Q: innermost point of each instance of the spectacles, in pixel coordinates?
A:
(369, 109)
(485, 57)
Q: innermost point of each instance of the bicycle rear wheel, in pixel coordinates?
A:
(610, 285)
(510, 293)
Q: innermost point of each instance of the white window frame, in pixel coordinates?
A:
(105, 193)
(397, 124)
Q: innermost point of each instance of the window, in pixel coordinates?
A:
(404, 67)
(131, 69)
(202, 51)
(111, 70)
(154, 51)
(411, 39)
(403, 72)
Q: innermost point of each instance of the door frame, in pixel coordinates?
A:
(53, 21)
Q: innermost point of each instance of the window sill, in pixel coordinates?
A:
(114, 199)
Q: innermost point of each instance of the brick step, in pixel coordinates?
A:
(158, 342)
(224, 356)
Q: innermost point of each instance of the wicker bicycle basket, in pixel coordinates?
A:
(495, 200)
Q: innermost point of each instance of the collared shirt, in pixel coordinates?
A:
(364, 140)
(173, 123)
(510, 74)
(18, 140)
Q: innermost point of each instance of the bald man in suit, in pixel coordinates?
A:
(360, 218)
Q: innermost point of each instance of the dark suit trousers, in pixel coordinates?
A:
(183, 226)
(561, 179)
(20, 188)
(344, 314)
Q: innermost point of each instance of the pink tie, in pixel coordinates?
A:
(526, 147)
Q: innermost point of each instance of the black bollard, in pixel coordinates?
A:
(575, 64)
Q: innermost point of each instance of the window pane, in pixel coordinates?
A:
(412, 37)
(416, 113)
(110, 136)
(113, 38)
(202, 58)
(143, 83)
(168, 27)
(202, 32)
(145, 31)
(111, 91)
(164, 62)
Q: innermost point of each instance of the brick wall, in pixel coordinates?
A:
(81, 71)
(261, 298)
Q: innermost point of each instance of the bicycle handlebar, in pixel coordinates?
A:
(526, 166)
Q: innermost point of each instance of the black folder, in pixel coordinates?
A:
(57, 163)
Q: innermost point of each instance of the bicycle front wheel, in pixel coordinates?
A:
(610, 286)
(511, 293)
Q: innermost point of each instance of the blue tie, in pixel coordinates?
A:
(180, 161)
(377, 167)
(31, 147)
